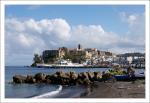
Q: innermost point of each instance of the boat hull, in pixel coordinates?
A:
(127, 77)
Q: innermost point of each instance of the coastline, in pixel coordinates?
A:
(70, 66)
(70, 91)
(116, 90)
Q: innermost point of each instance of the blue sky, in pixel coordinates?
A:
(117, 24)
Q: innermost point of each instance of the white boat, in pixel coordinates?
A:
(66, 63)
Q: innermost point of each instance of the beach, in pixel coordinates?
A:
(116, 90)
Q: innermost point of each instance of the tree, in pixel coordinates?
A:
(37, 58)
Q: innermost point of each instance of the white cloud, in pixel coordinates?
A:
(28, 31)
(24, 38)
(31, 36)
(133, 19)
(13, 25)
(93, 36)
(136, 24)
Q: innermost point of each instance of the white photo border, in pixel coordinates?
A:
(81, 100)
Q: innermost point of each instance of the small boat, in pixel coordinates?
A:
(122, 77)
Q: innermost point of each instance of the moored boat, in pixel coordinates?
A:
(66, 63)
(127, 77)
(122, 77)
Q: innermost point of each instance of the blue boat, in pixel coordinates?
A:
(127, 77)
(122, 77)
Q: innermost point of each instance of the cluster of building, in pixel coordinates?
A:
(92, 56)
(134, 59)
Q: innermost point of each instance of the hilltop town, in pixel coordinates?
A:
(89, 57)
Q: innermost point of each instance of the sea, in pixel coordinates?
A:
(45, 90)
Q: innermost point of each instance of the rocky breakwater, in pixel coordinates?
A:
(60, 77)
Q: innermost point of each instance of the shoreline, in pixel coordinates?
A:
(88, 67)
(91, 91)
(116, 90)
(55, 67)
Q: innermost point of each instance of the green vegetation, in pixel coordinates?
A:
(37, 59)
(117, 72)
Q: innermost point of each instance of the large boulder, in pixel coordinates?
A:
(86, 81)
(106, 76)
(60, 73)
(97, 76)
(30, 79)
(48, 79)
(79, 81)
(73, 75)
(83, 75)
(90, 75)
(83, 78)
(73, 78)
(58, 77)
(53, 78)
(40, 77)
(19, 79)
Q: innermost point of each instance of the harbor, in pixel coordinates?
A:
(86, 58)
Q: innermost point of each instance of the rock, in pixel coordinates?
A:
(48, 81)
(97, 76)
(83, 78)
(53, 78)
(62, 78)
(19, 79)
(79, 81)
(58, 78)
(73, 75)
(90, 75)
(83, 75)
(40, 77)
(66, 75)
(106, 76)
(30, 79)
(60, 73)
(86, 81)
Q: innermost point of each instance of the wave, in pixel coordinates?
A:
(50, 94)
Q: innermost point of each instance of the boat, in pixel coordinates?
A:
(42, 65)
(66, 63)
(122, 77)
(127, 77)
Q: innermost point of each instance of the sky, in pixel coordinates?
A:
(32, 29)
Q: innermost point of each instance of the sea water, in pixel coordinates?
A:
(43, 90)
